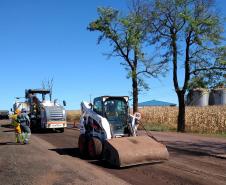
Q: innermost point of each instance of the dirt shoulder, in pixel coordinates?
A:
(212, 146)
(37, 164)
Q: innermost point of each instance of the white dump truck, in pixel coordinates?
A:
(43, 113)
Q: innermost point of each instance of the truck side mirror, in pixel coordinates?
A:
(11, 110)
(64, 103)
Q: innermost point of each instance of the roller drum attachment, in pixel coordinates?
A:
(128, 151)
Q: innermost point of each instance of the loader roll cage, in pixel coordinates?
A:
(115, 110)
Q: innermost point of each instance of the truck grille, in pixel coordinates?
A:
(56, 114)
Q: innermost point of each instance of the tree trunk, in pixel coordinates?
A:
(135, 93)
(181, 114)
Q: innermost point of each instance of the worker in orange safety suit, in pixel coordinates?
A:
(16, 124)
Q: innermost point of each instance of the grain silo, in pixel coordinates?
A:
(218, 96)
(198, 97)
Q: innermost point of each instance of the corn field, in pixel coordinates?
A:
(73, 115)
(210, 119)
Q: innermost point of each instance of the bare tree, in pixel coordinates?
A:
(48, 84)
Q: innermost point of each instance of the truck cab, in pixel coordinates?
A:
(44, 113)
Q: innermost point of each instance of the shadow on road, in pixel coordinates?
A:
(9, 143)
(7, 126)
(44, 131)
(102, 164)
(73, 152)
(8, 131)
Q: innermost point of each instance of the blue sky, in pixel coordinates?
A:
(41, 39)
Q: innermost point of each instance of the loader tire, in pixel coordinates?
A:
(95, 148)
(82, 144)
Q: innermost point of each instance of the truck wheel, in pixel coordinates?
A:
(94, 148)
(82, 144)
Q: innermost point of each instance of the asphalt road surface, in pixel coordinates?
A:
(53, 158)
(183, 167)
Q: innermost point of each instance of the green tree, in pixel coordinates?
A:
(190, 33)
(127, 36)
(209, 80)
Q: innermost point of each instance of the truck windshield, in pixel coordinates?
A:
(116, 113)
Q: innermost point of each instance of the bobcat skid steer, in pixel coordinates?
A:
(108, 132)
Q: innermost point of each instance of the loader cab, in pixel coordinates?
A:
(115, 110)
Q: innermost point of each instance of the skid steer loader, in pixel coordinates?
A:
(108, 132)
